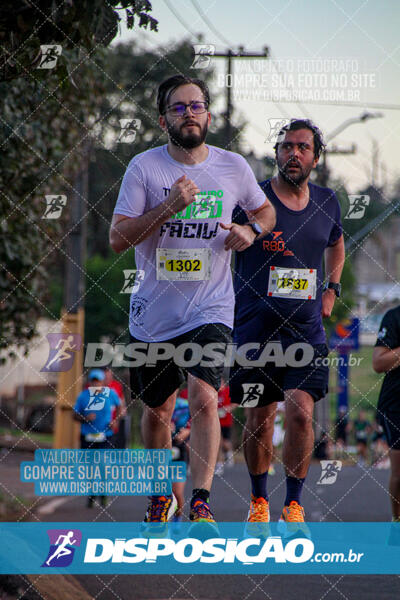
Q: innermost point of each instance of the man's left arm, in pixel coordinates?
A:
(334, 261)
(118, 412)
(241, 237)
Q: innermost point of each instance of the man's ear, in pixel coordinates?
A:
(162, 122)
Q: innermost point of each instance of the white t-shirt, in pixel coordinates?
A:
(162, 308)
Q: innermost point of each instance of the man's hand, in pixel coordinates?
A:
(182, 436)
(182, 194)
(90, 416)
(328, 300)
(239, 238)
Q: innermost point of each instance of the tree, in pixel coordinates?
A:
(25, 26)
(48, 118)
(43, 130)
(106, 305)
(376, 206)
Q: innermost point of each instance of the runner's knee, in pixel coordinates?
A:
(203, 403)
(299, 418)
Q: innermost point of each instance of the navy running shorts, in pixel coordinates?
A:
(259, 386)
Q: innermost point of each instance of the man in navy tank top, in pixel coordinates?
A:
(282, 293)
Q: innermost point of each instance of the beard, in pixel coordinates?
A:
(186, 139)
(293, 178)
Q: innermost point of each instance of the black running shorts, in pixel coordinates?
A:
(154, 384)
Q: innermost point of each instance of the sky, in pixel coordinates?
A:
(341, 52)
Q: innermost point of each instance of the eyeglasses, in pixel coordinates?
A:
(179, 109)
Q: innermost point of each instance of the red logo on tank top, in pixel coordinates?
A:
(277, 244)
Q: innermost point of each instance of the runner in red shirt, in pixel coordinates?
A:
(225, 408)
(121, 428)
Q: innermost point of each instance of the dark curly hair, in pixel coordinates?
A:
(294, 125)
(172, 83)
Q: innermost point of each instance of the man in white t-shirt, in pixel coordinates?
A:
(175, 206)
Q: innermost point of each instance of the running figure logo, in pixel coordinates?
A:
(275, 125)
(133, 277)
(138, 308)
(98, 396)
(54, 206)
(63, 543)
(62, 351)
(330, 470)
(252, 393)
(49, 57)
(382, 333)
(358, 204)
(202, 56)
(129, 128)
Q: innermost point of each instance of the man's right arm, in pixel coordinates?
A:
(385, 359)
(84, 418)
(130, 231)
(78, 417)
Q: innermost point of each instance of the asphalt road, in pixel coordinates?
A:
(359, 494)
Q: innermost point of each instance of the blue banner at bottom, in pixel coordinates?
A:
(223, 548)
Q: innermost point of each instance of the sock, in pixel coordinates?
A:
(259, 485)
(294, 486)
(200, 494)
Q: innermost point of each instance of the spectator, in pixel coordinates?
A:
(341, 430)
(362, 428)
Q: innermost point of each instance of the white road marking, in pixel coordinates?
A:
(50, 507)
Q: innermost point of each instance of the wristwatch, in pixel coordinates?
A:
(334, 286)
(256, 228)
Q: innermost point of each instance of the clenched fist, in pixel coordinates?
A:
(328, 300)
(239, 238)
(182, 194)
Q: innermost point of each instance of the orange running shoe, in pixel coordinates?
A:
(291, 522)
(258, 518)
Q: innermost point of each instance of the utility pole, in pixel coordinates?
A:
(323, 170)
(229, 56)
(66, 432)
(375, 163)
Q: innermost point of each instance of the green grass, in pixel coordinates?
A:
(12, 507)
(364, 385)
(33, 435)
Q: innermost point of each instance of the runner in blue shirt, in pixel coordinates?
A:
(93, 409)
(282, 293)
